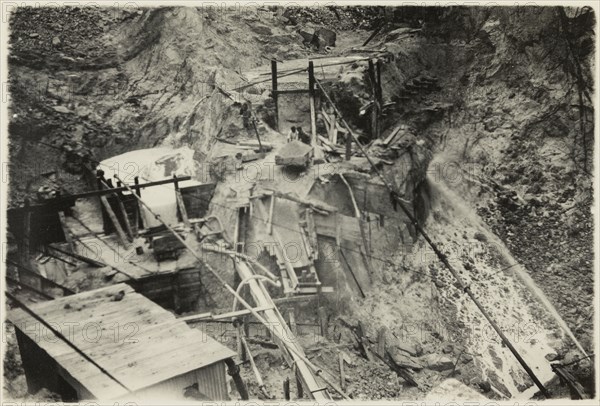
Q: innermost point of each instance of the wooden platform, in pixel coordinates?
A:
(151, 346)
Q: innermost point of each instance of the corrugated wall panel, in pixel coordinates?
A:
(212, 381)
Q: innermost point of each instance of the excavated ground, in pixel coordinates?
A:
(127, 79)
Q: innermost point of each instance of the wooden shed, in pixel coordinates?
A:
(151, 354)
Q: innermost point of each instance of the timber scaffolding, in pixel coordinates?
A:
(328, 112)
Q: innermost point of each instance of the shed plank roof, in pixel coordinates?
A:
(136, 340)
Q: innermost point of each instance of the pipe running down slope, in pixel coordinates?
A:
(271, 317)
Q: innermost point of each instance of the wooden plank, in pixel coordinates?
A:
(333, 130)
(274, 91)
(204, 316)
(270, 219)
(323, 320)
(309, 202)
(114, 220)
(292, 320)
(314, 290)
(182, 208)
(294, 299)
(105, 192)
(43, 279)
(63, 224)
(121, 207)
(313, 113)
(346, 227)
(342, 373)
(348, 147)
(291, 91)
(358, 284)
(78, 257)
(312, 232)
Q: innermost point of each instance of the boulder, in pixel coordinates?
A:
(324, 38)
(437, 362)
(404, 343)
(402, 359)
(61, 109)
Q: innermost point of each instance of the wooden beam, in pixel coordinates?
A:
(313, 113)
(30, 288)
(309, 202)
(294, 299)
(66, 231)
(342, 373)
(43, 280)
(274, 91)
(182, 209)
(333, 130)
(312, 232)
(292, 320)
(348, 146)
(114, 220)
(26, 235)
(123, 212)
(292, 91)
(203, 316)
(78, 257)
(105, 192)
(270, 219)
(323, 320)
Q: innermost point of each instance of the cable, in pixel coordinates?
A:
(442, 257)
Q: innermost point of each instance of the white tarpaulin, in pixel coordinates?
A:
(151, 165)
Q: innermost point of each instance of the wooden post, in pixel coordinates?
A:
(114, 220)
(292, 321)
(375, 108)
(274, 91)
(299, 387)
(26, 234)
(311, 95)
(175, 289)
(333, 129)
(241, 349)
(138, 191)
(323, 320)
(348, 146)
(107, 184)
(67, 233)
(181, 204)
(342, 373)
(270, 219)
(379, 98)
(286, 388)
(121, 206)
